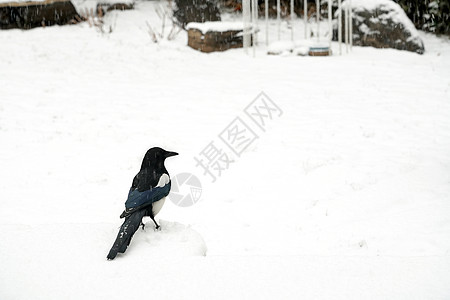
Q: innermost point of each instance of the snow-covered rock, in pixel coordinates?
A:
(381, 24)
(215, 36)
(280, 48)
(31, 14)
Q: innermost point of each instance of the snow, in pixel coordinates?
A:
(360, 5)
(280, 47)
(82, 5)
(216, 26)
(344, 196)
(298, 47)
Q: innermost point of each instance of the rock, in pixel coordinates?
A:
(26, 15)
(107, 7)
(381, 24)
(201, 11)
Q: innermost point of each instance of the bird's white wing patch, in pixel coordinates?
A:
(163, 180)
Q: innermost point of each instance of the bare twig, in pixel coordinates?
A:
(94, 20)
(174, 32)
(152, 33)
(163, 14)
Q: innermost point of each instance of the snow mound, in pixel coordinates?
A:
(302, 50)
(174, 239)
(300, 47)
(280, 47)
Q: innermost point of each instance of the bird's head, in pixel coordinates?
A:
(155, 157)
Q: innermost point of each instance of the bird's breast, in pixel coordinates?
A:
(157, 206)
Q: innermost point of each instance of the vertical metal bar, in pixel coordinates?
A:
(246, 21)
(351, 25)
(346, 27)
(266, 7)
(292, 20)
(340, 26)
(330, 27)
(318, 18)
(279, 19)
(305, 17)
(254, 9)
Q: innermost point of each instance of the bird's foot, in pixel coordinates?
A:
(143, 225)
(156, 224)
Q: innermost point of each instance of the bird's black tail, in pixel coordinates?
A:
(126, 232)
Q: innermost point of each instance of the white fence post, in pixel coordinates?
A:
(254, 10)
(330, 26)
(292, 20)
(266, 7)
(279, 19)
(351, 25)
(346, 27)
(340, 26)
(247, 18)
(318, 19)
(305, 17)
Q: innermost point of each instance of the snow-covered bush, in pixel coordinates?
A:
(187, 11)
(382, 24)
(429, 15)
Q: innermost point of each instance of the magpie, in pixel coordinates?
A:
(146, 197)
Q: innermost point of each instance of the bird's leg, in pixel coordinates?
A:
(143, 225)
(157, 226)
(150, 214)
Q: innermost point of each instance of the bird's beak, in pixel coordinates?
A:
(169, 154)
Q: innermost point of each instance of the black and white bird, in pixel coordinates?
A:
(146, 197)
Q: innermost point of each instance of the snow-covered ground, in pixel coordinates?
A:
(345, 196)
